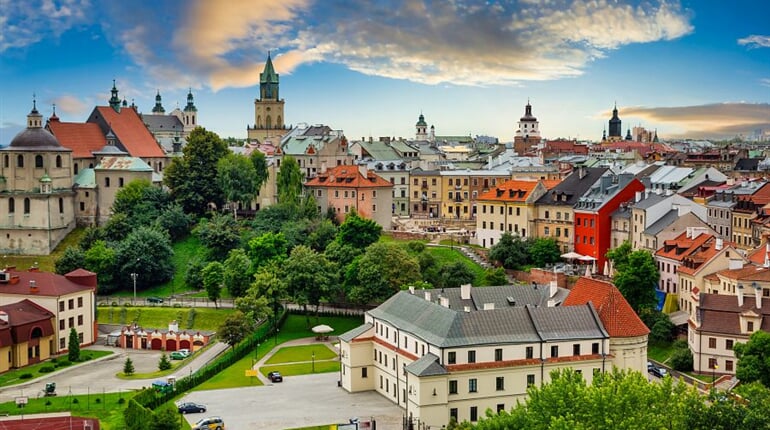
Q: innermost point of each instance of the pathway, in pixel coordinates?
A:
(297, 342)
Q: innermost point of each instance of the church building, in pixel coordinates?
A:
(528, 135)
(268, 108)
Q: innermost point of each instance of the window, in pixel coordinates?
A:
(729, 365)
(729, 344)
(364, 372)
(120, 182)
(530, 352)
(107, 182)
(451, 357)
(61, 206)
(546, 215)
(80, 302)
(38, 161)
(712, 342)
(750, 326)
(80, 319)
(61, 306)
(472, 385)
(500, 407)
(471, 356)
(71, 304)
(499, 354)
(11, 205)
(80, 337)
(554, 350)
(62, 343)
(500, 383)
(576, 349)
(595, 348)
(61, 324)
(712, 363)
(20, 161)
(453, 414)
(71, 322)
(530, 380)
(26, 206)
(58, 161)
(546, 231)
(453, 387)
(474, 413)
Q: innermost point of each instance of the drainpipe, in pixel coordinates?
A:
(542, 365)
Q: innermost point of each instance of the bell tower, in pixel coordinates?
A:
(268, 108)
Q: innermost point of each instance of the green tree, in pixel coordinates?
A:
(165, 419)
(269, 287)
(358, 232)
(272, 218)
(148, 252)
(72, 258)
(543, 251)
(308, 276)
(164, 363)
(267, 247)
(192, 178)
(238, 180)
(141, 202)
(173, 220)
(235, 328)
(663, 331)
(681, 359)
(73, 346)
(118, 227)
(456, 273)
(100, 259)
(510, 251)
(220, 234)
(213, 277)
(637, 279)
(754, 358)
(91, 235)
(289, 181)
(323, 233)
(259, 161)
(495, 276)
(128, 367)
(237, 272)
(193, 275)
(619, 255)
(381, 271)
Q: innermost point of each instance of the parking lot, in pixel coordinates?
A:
(298, 401)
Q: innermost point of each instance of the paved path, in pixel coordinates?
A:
(297, 342)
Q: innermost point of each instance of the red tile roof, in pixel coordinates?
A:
(510, 191)
(617, 316)
(82, 139)
(347, 177)
(46, 283)
(131, 132)
(757, 256)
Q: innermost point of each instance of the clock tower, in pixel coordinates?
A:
(268, 108)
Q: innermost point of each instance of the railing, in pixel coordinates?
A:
(177, 301)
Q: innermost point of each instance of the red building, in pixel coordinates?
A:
(593, 210)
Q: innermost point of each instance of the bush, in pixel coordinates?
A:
(682, 360)
(680, 344)
(114, 304)
(75, 400)
(164, 364)
(121, 401)
(662, 331)
(191, 318)
(48, 403)
(98, 400)
(25, 376)
(46, 369)
(63, 363)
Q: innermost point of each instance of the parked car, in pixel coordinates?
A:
(275, 377)
(660, 372)
(156, 300)
(650, 366)
(190, 407)
(210, 423)
(180, 354)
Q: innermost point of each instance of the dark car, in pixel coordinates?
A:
(190, 407)
(275, 377)
(660, 372)
(157, 300)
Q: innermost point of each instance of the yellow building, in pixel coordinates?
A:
(26, 334)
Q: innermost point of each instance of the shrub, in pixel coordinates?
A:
(98, 400)
(114, 304)
(164, 364)
(128, 367)
(75, 400)
(46, 369)
(662, 331)
(48, 403)
(63, 363)
(121, 401)
(25, 376)
(191, 318)
(682, 360)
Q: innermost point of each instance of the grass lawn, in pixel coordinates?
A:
(449, 255)
(13, 376)
(159, 316)
(104, 406)
(293, 354)
(300, 326)
(660, 352)
(232, 377)
(302, 368)
(44, 262)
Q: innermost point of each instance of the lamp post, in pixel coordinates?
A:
(134, 275)
(313, 362)
(714, 374)
(276, 335)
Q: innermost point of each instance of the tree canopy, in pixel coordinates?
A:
(636, 279)
(381, 271)
(237, 179)
(289, 181)
(308, 276)
(754, 358)
(510, 251)
(358, 232)
(235, 328)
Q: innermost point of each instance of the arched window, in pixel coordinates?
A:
(259, 121)
(193, 120)
(26, 206)
(58, 161)
(36, 333)
(268, 122)
(20, 161)
(106, 182)
(38, 161)
(61, 206)
(76, 168)
(6, 161)
(278, 122)
(11, 205)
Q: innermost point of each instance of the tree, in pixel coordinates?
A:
(141, 202)
(100, 259)
(268, 287)
(455, 274)
(213, 277)
(165, 419)
(193, 275)
(259, 161)
(173, 220)
(663, 331)
(238, 180)
(72, 258)
(619, 255)
(637, 279)
(681, 359)
(510, 251)
(324, 232)
(289, 181)
(73, 346)
(543, 251)
(192, 178)
(234, 329)
(128, 367)
(496, 276)
(267, 247)
(308, 276)
(220, 234)
(237, 272)
(381, 272)
(358, 232)
(164, 363)
(145, 251)
(754, 358)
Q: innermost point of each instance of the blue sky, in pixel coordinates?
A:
(692, 68)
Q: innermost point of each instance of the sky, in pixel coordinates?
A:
(688, 69)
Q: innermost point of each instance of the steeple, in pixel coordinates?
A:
(190, 103)
(114, 100)
(422, 128)
(268, 81)
(655, 137)
(158, 109)
(34, 118)
(616, 129)
(628, 135)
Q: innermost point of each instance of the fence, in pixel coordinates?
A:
(177, 301)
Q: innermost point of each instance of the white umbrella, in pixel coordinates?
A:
(606, 271)
(586, 258)
(571, 256)
(588, 271)
(322, 329)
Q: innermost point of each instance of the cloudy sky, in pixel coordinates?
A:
(370, 67)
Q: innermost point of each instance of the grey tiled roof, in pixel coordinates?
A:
(567, 322)
(573, 186)
(662, 223)
(651, 200)
(427, 365)
(358, 331)
(158, 123)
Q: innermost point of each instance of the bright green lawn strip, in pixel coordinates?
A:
(300, 326)
(108, 409)
(293, 354)
(11, 377)
(322, 427)
(660, 352)
(448, 255)
(302, 368)
(185, 251)
(232, 377)
(159, 316)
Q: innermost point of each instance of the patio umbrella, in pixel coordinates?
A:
(588, 272)
(586, 258)
(322, 329)
(571, 256)
(606, 271)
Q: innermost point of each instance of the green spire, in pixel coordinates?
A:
(158, 109)
(190, 103)
(268, 81)
(115, 100)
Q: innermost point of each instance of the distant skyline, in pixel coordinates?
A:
(695, 69)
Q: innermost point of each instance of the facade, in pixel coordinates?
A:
(347, 188)
(425, 193)
(110, 176)
(26, 334)
(173, 339)
(315, 147)
(388, 163)
(462, 190)
(70, 298)
(453, 354)
(268, 107)
(509, 207)
(37, 203)
(527, 136)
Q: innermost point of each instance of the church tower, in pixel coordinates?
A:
(528, 134)
(158, 108)
(616, 132)
(422, 128)
(190, 114)
(114, 100)
(268, 108)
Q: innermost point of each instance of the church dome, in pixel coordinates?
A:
(34, 138)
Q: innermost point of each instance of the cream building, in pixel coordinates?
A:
(268, 108)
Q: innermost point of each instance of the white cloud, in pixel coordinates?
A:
(755, 41)
(765, 82)
(70, 105)
(24, 23)
(715, 120)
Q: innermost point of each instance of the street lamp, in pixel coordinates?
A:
(714, 374)
(276, 335)
(313, 362)
(134, 275)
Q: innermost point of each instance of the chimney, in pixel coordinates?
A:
(740, 295)
(444, 301)
(363, 169)
(720, 244)
(758, 295)
(551, 303)
(638, 198)
(411, 289)
(4, 317)
(466, 309)
(427, 295)
(465, 291)
(553, 288)
(489, 306)
(33, 286)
